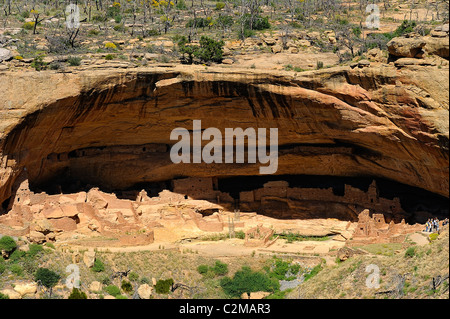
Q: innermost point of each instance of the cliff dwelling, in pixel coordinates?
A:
(109, 133)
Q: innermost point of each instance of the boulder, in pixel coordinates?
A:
(437, 46)
(36, 237)
(26, 288)
(145, 291)
(402, 62)
(304, 43)
(345, 253)
(270, 41)
(227, 61)
(60, 212)
(277, 48)
(376, 55)
(407, 47)
(244, 296)
(64, 224)
(363, 63)
(42, 226)
(438, 34)
(95, 286)
(76, 257)
(96, 198)
(5, 55)
(89, 258)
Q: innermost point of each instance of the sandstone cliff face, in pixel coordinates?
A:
(111, 128)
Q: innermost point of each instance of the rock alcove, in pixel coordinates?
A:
(338, 130)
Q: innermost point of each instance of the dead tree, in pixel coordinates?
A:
(120, 274)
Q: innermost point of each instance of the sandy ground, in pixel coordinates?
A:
(233, 247)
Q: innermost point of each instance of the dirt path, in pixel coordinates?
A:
(420, 239)
(229, 247)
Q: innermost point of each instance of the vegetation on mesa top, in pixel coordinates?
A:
(197, 20)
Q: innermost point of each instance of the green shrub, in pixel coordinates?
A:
(197, 23)
(246, 33)
(93, 32)
(126, 286)
(313, 272)
(99, 18)
(2, 268)
(280, 268)
(17, 255)
(259, 23)
(220, 5)
(410, 252)
(25, 14)
(109, 57)
(241, 234)
(433, 236)
(34, 249)
(246, 280)
(98, 266)
(406, 27)
(163, 286)
(210, 50)
(133, 276)
(113, 11)
(113, 290)
(202, 269)
(3, 296)
(46, 277)
(74, 61)
(181, 5)
(119, 28)
(118, 18)
(7, 244)
(106, 280)
(16, 269)
(153, 32)
(145, 280)
(121, 297)
(220, 268)
(38, 63)
(225, 20)
(319, 65)
(77, 294)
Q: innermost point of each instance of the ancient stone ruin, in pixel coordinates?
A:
(259, 236)
(195, 205)
(75, 155)
(373, 229)
(280, 200)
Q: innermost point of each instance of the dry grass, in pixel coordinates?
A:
(400, 276)
(181, 266)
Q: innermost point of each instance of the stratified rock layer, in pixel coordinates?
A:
(111, 128)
